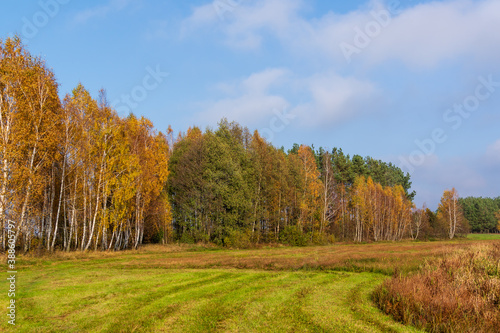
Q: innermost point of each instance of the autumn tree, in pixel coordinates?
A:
(329, 193)
(8, 113)
(208, 184)
(419, 222)
(30, 121)
(274, 190)
(450, 213)
(358, 205)
(498, 218)
(309, 200)
(263, 188)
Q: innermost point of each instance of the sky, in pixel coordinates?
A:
(415, 83)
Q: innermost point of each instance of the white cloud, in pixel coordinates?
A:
(420, 36)
(335, 99)
(262, 81)
(246, 109)
(201, 16)
(244, 23)
(493, 153)
(332, 98)
(101, 11)
(428, 34)
(252, 99)
(158, 30)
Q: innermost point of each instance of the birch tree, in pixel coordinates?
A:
(450, 212)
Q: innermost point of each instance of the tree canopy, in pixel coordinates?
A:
(481, 213)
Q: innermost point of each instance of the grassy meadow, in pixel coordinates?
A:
(202, 289)
(483, 236)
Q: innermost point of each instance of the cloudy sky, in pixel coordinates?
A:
(416, 83)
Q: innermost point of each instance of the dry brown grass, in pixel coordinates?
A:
(459, 292)
(385, 258)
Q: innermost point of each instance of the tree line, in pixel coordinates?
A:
(483, 214)
(231, 187)
(76, 176)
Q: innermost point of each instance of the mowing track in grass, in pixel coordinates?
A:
(179, 289)
(72, 297)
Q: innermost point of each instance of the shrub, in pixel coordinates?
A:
(293, 236)
(318, 238)
(186, 238)
(238, 239)
(457, 293)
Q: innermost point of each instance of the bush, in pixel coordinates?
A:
(186, 238)
(292, 235)
(318, 238)
(238, 239)
(458, 293)
(155, 238)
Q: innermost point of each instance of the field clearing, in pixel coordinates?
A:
(197, 289)
(483, 236)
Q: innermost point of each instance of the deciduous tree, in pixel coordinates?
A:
(450, 212)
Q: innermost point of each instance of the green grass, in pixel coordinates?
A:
(74, 297)
(176, 289)
(483, 236)
(196, 289)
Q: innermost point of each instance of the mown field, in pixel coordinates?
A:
(198, 289)
(483, 236)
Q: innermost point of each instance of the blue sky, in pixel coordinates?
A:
(416, 83)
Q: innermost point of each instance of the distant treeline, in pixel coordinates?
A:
(233, 188)
(347, 169)
(483, 214)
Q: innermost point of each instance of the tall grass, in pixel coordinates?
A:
(459, 292)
